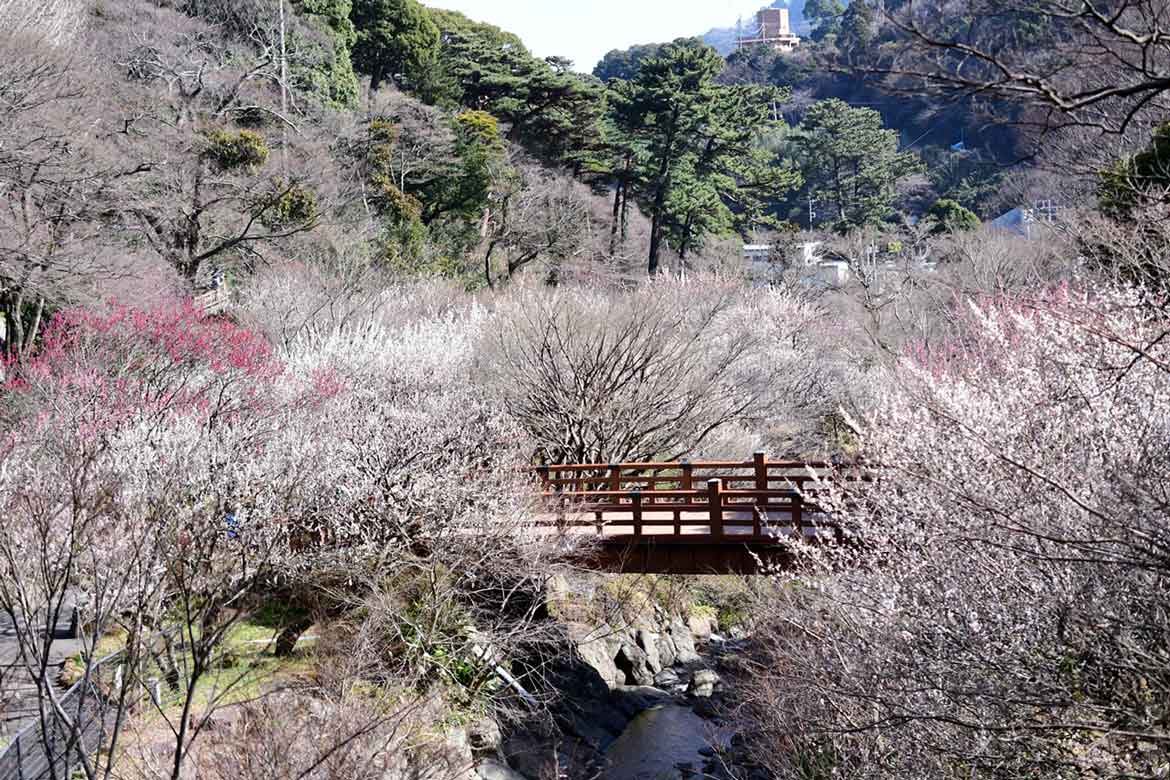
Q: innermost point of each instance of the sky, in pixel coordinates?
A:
(584, 30)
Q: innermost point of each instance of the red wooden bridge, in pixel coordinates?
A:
(688, 518)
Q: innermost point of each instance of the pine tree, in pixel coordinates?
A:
(394, 38)
(851, 161)
(687, 148)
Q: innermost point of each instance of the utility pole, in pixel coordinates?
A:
(283, 95)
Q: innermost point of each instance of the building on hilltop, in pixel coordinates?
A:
(772, 29)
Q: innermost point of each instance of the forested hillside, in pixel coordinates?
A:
(310, 306)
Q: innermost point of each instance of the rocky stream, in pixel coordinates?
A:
(637, 703)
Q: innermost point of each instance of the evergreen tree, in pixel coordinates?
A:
(851, 161)
(394, 38)
(550, 109)
(949, 216)
(687, 147)
(857, 27)
(825, 17)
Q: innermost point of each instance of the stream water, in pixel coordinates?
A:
(657, 741)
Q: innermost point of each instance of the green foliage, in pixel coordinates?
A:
(625, 63)
(430, 201)
(295, 205)
(395, 39)
(453, 23)
(851, 162)
(228, 151)
(322, 64)
(825, 17)
(551, 110)
(949, 216)
(967, 178)
(480, 127)
(404, 235)
(689, 149)
(858, 28)
(1139, 180)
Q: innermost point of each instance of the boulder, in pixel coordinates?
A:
(702, 626)
(455, 756)
(494, 770)
(703, 683)
(684, 642)
(667, 653)
(667, 679)
(587, 710)
(648, 641)
(597, 648)
(631, 663)
(484, 736)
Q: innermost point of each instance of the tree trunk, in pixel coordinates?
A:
(661, 187)
(617, 215)
(655, 244)
(487, 265)
(286, 640)
(376, 78)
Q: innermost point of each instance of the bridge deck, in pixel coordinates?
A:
(738, 525)
(688, 517)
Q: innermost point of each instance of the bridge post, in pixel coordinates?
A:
(615, 483)
(636, 503)
(760, 461)
(715, 499)
(686, 482)
(797, 511)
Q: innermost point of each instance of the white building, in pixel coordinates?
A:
(765, 264)
(772, 29)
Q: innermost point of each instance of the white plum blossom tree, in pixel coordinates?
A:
(999, 604)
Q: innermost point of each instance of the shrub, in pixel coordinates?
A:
(295, 205)
(658, 372)
(230, 151)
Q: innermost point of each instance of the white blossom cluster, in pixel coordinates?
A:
(55, 22)
(1003, 607)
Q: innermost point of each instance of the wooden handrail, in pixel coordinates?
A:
(707, 490)
(679, 465)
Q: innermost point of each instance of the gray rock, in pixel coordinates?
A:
(684, 642)
(703, 683)
(667, 678)
(648, 641)
(596, 648)
(455, 756)
(633, 699)
(631, 662)
(716, 639)
(702, 626)
(484, 735)
(494, 770)
(667, 653)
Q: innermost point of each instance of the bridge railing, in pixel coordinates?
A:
(733, 500)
